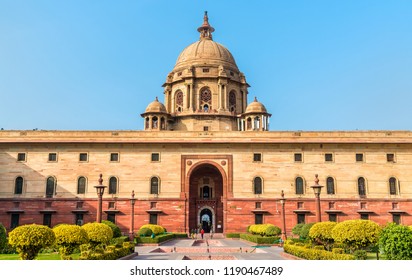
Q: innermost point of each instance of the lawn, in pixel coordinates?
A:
(42, 256)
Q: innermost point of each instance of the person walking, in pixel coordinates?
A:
(202, 232)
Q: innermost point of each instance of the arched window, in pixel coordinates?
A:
(113, 185)
(256, 123)
(50, 186)
(81, 185)
(147, 123)
(361, 186)
(257, 185)
(18, 185)
(154, 122)
(248, 123)
(232, 101)
(392, 186)
(299, 185)
(154, 185)
(162, 123)
(206, 192)
(330, 185)
(206, 99)
(179, 101)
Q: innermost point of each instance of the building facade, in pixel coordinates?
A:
(205, 157)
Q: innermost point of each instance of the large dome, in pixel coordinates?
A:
(205, 51)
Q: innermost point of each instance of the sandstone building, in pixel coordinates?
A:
(206, 156)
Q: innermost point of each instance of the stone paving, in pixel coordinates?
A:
(208, 249)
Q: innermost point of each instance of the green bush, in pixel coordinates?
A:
(356, 234)
(114, 227)
(3, 237)
(260, 240)
(156, 239)
(156, 229)
(304, 232)
(396, 242)
(360, 254)
(144, 232)
(111, 252)
(314, 254)
(265, 230)
(30, 239)
(322, 233)
(338, 250)
(98, 233)
(232, 235)
(68, 237)
(297, 228)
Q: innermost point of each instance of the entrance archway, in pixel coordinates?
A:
(206, 191)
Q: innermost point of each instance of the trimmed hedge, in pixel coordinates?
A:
(156, 229)
(265, 230)
(259, 239)
(69, 237)
(98, 233)
(159, 238)
(111, 252)
(314, 254)
(232, 235)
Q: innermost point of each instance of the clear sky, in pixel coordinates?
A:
(97, 64)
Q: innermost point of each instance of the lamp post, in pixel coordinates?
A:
(282, 201)
(132, 202)
(317, 189)
(100, 191)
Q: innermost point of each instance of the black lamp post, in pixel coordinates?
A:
(132, 202)
(100, 191)
(282, 201)
(317, 190)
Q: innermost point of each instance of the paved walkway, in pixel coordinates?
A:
(208, 249)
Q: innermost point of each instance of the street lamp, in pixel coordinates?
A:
(100, 191)
(132, 202)
(317, 190)
(282, 201)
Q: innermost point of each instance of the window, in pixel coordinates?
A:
(112, 205)
(155, 122)
(205, 128)
(111, 217)
(299, 185)
(361, 186)
(206, 191)
(390, 157)
(393, 190)
(81, 185)
(153, 204)
(257, 157)
(79, 204)
(258, 219)
(153, 219)
(205, 70)
(52, 157)
(257, 185)
(298, 157)
(112, 185)
(396, 218)
(79, 219)
(328, 157)
(206, 99)
(300, 205)
(155, 157)
(232, 101)
(83, 157)
(50, 186)
(114, 157)
(47, 219)
(154, 185)
(15, 220)
(258, 205)
(363, 205)
(300, 218)
(21, 157)
(359, 157)
(364, 216)
(330, 185)
(333, 217)
(179, 101)
(18, 185)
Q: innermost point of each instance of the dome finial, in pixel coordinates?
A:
(255, 99)
(205, 30)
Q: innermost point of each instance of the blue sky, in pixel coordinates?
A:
(96, 65)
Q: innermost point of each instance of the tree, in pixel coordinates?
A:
(30, 239)
(356, 234)
(322, 232)
(68, 237)
(396, 242)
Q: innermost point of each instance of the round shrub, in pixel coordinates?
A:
(156, 229)
(265, 230)
(114, 227)
(30, 239)
(3, 237)
(98, 233)
(360, 254)
(356, 234)
(272, 230)
(396, 242)
(297, 228)
(69, 237)
(145, 232)
(304, 232)
(322, 232)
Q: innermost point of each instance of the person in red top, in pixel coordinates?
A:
(202, 232)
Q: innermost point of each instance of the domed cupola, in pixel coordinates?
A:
(156, 116)
(255, 117)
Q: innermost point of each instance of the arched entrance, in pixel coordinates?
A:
(205, 198)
